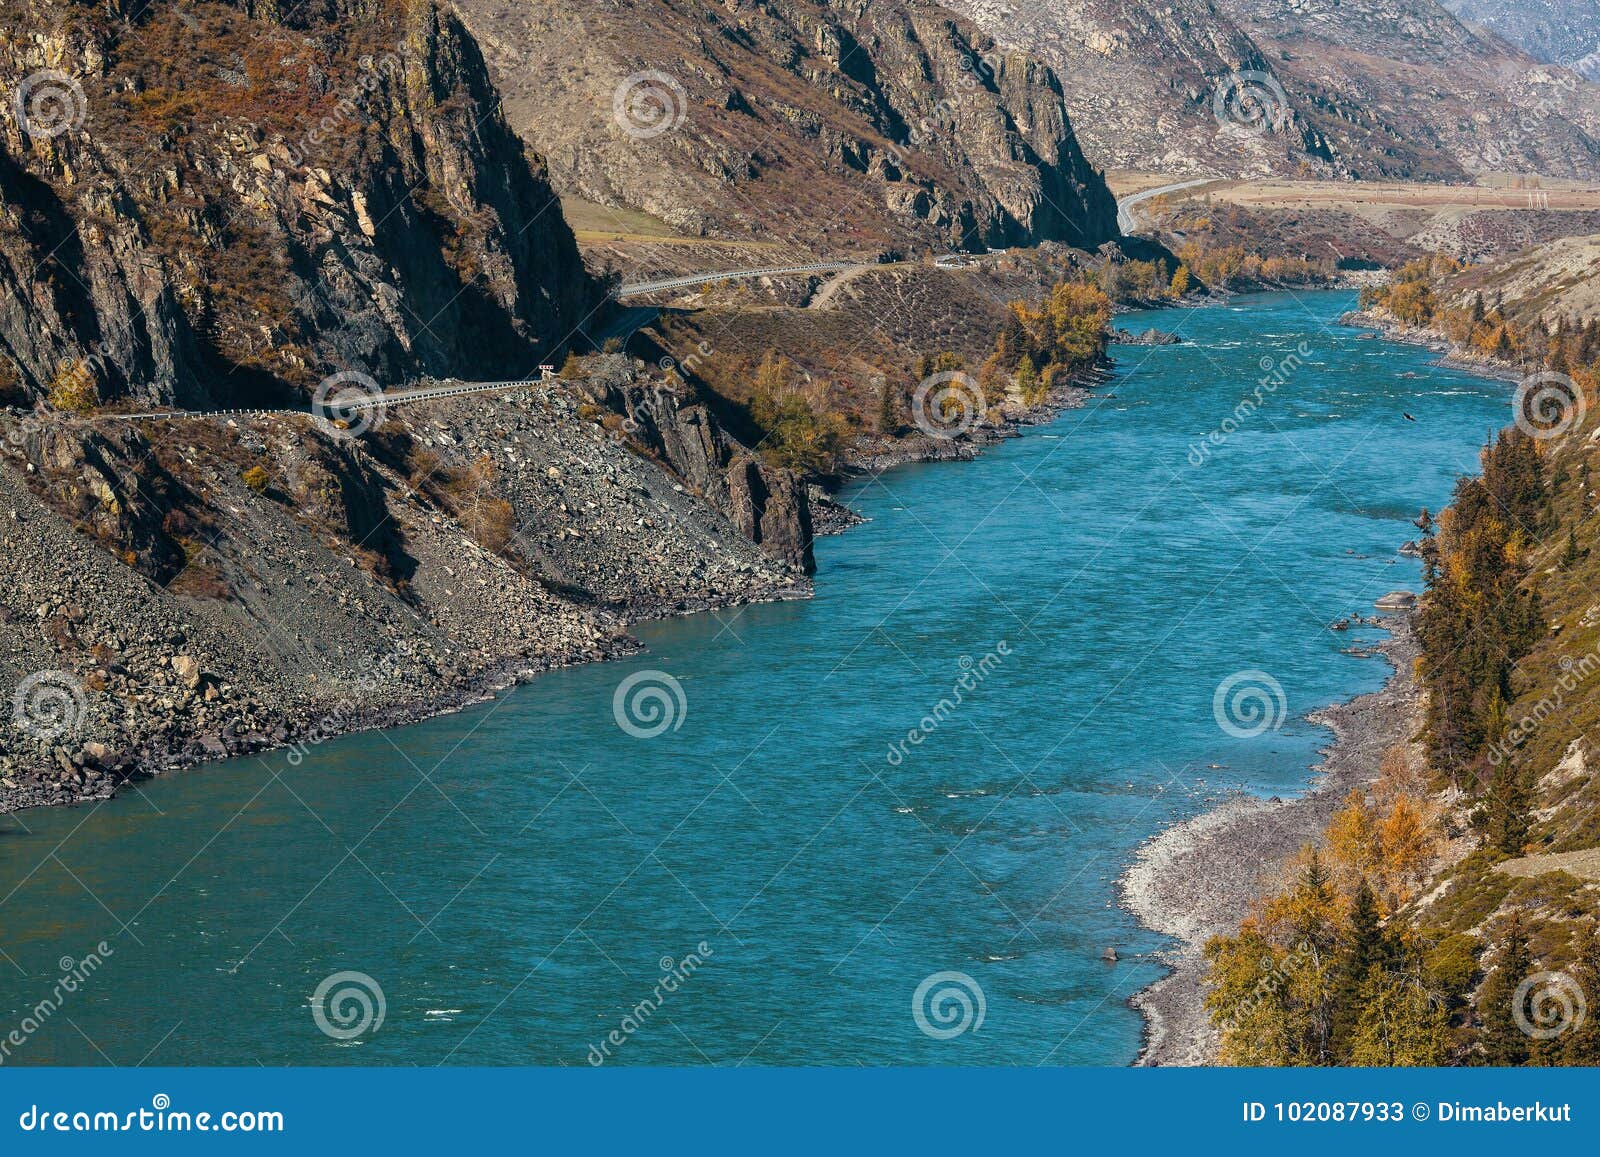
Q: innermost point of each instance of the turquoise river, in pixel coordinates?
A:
(772, 879)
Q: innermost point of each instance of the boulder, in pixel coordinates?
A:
(187, 669)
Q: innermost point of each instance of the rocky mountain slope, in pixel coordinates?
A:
(1554, 31)
(1532, 290)
(185, 590)
(1560, 278)
(1507, 919)
(1143, 78)
(833, 124)
(1364, 88)
(204, 205)
(230, 204)
(1411, 74)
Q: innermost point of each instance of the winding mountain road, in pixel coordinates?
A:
(630, 318)
(640, 288)
(353, 399)
(1125, 217)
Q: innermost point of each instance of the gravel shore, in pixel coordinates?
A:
(1451, 355)
(1199, 878)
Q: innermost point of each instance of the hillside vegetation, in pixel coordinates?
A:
(1451, 913)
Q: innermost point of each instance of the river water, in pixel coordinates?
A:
(774, 877)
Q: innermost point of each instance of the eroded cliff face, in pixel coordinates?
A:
(1143, 81)
(832, 124)
(1404, 86)
(1356, 88)
(768, 504)
(218, 202)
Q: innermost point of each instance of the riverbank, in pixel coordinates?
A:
(1452, 356)
(536, 807)
(1200, 878)
(881, 454)
(466, 547)
(305, 639)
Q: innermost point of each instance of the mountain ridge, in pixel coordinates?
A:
(1332, 88)
(843, 126)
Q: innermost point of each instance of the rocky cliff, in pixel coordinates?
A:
(1362, 88)
(226, 201)
(1554, 31)
(1143, 81)
(834, 124)
(215, 204)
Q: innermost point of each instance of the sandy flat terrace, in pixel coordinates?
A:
(1548, 194)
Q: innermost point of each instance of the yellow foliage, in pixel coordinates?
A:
(1353, 837)
(1407, 847)
(73, 389)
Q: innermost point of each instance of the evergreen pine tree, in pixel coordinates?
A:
(1581, 1044)
(888, 407)
(1365, 950)
(1398, 1024)
(1013, 341)
(1503, 810)
(1502, 1039)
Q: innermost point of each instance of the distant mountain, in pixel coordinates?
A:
(1556, 31)
(1364, 88)
(1399, 77)
(832, 124)
(1144, 77)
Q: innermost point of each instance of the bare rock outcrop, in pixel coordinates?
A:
(1347, 88)
(836, 124)
(224, 203)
